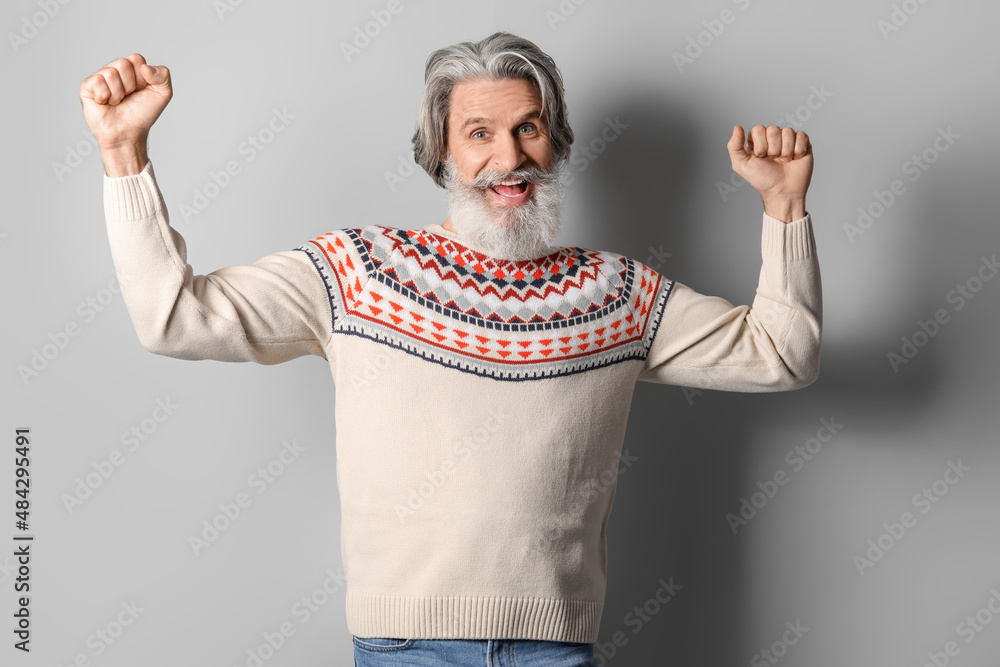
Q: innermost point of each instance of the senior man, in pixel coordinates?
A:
(470, 471)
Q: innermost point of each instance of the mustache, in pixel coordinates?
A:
(521, 233)
(488, 178)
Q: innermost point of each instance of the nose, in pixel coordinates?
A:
(508, 155)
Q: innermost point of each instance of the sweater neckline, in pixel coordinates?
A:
(439, 229)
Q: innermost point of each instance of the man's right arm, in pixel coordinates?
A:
(271, 311)
(124, 160)
(266, 312)
(121, 101)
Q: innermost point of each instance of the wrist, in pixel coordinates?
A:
(124, 159)
(786, 208)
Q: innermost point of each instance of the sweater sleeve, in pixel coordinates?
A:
(706, 342)
(270, 311)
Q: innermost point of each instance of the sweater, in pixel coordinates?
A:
(480, 404)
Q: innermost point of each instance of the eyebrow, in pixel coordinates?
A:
(487, 121)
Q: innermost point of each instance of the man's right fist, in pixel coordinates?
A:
(123, 99)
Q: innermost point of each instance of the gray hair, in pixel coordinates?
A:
(499, 56)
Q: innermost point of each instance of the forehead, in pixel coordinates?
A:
(499, 101)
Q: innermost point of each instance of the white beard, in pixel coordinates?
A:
(508, 232)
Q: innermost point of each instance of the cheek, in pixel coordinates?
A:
(541, 154)
(473, 162)
(543, 160)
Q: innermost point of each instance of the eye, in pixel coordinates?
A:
(529, 128)
(481, 134)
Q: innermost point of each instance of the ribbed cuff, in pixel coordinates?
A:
(793, 240)
(132, 197)
(472, 617)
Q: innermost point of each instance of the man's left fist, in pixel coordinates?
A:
(776, 161)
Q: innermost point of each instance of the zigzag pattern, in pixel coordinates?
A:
(570, 311)
(484, 280)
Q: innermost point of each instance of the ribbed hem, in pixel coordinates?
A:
(132, 197)
(472, 617)
(791, 239)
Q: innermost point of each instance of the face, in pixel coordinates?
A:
(506, 197)
(497, 126)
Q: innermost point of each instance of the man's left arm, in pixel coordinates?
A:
(706, 342)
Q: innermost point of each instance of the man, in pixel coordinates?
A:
(470, 472)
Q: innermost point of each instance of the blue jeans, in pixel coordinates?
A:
(386, 652)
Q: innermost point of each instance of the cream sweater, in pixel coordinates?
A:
(478, 401)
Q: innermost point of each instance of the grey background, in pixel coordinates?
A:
(654, 187)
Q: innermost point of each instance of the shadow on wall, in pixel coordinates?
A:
(668, 519)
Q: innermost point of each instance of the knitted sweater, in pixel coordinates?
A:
(475, 498)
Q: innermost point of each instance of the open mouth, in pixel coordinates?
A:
(512, 188)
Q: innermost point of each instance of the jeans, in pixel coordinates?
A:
(386, 652)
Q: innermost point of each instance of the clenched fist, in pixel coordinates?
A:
(121, 101)
(778, 162)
